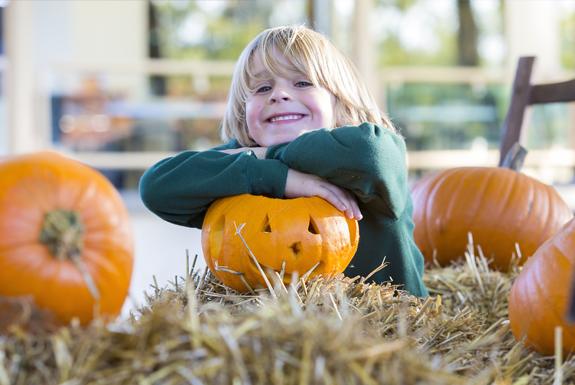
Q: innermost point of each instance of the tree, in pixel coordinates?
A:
(467, 35)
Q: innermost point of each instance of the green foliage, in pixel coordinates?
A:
(433, 116)
(391, 52)
(391, 48)
(223, 32)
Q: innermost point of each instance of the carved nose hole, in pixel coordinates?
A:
(312, 226)
(266, 227)
(296, 247)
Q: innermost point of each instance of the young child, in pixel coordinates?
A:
(299, 122)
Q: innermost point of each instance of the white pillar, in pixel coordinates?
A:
(21, 128)
(363, 47)
(532, 29)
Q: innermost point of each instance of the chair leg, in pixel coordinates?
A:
(511, 129)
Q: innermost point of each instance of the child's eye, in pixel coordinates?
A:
(262, 89)
(304, 83)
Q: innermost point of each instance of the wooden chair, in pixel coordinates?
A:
(525, 94)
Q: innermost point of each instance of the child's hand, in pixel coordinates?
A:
(260, 152)
(299, 184)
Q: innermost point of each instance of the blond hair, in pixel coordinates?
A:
(310, 53)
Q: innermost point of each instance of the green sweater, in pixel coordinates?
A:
(367, 160)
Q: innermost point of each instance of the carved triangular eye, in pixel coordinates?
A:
(266, 227)
(312, 226)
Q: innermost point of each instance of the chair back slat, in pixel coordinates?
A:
(553, 93)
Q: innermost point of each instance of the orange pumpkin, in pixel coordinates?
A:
(301, 232)
(65, 237)
(539, 297)
(498, 206)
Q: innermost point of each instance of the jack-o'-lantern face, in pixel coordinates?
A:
(299, 233)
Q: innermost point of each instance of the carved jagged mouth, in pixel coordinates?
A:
(279, 271)
(263, 266)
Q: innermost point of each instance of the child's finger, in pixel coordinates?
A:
(343, 200)
(355, 210)
(331, 194)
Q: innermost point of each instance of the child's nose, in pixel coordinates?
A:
(279, 94)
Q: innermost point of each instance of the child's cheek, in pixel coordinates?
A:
(250, 116)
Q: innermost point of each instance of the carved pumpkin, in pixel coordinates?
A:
(65, 237)
(300, 232)
(498, 206)
(539, 297)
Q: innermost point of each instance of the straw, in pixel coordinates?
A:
(324, 330)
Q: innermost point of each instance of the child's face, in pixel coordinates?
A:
(281, 108)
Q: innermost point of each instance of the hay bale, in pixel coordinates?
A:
(337, 331)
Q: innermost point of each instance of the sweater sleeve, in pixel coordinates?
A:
(180, 189)
(367, 160)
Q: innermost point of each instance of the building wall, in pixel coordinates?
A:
(40, 35)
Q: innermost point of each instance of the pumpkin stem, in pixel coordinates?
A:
(515, 157)
(62, 233)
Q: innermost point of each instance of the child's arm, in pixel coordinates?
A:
(299, 184)
(180, 189)
(367, 160)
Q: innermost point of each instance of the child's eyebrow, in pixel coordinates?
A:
(265, 74)
(258, 77)
(261, 75)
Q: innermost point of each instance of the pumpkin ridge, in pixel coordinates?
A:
(106, 276)
(73, 279)
(523, 231)
(531, 202)
(448, 214)
(6, 247)
(84, 196)
(553, 209)
(543, 290)
(90, 258)
(450, 207)
(516, 186)
(547, 210)
(476, 212)
(534, 290)
(425, 214)
(24, 261)
(561, 258)
(112, 216)
(25, 186)
(435, 187)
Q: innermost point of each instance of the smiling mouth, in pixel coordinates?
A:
(288, 117)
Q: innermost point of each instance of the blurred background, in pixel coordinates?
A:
(121, 84)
